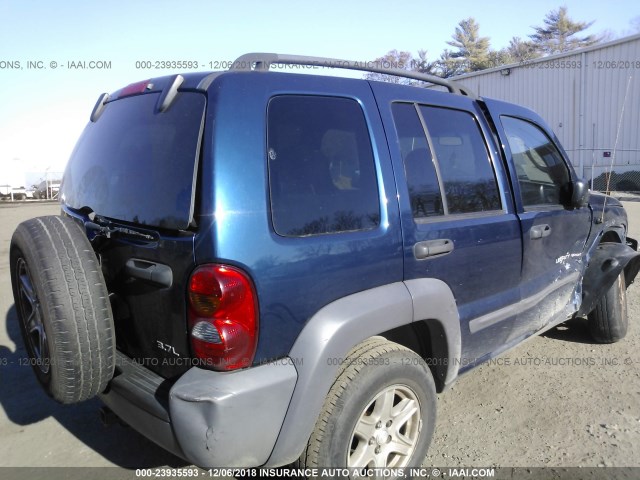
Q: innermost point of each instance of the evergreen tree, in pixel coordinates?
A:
(522, 50)
(559, 33)
(499, 57)
(449, 66)
(471, 47)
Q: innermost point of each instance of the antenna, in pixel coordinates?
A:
(615, 146)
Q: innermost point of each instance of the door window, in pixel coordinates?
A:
(541, 170)
(422, 180)
(450, 157)
(467, 174)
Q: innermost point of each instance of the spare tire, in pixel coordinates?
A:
(63, 308)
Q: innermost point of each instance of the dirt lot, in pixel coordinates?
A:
(558, 400)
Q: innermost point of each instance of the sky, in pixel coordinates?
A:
(45, 104)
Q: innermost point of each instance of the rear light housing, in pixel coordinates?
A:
(134, 89)
(223, 317)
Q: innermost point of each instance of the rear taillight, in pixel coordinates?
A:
(223, 317)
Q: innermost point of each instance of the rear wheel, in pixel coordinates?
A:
(608, 322)
(63, 308)
(380, 412)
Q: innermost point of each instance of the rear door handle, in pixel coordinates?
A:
(540, 231)
(153, 272)
(432, 248)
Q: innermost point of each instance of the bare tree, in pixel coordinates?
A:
(423, 65)
(393, 59)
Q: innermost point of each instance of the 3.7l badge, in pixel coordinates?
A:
(167, 348)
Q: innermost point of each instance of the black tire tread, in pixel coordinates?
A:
(608, 321)
(69, 283)
(371, 348)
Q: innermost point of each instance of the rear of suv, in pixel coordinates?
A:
(254, 268)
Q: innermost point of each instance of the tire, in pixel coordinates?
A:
(608, 322)
(379, 381)
(63, 308)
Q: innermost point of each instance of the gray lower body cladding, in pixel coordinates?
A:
(205, 416)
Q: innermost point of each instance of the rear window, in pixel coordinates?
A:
(321, 167)
(137, 165)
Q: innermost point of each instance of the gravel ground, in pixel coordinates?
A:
(556, 401)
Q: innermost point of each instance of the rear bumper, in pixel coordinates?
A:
(212, 419)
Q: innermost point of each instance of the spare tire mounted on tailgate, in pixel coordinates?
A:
(63, 308)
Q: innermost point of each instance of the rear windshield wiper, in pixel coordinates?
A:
(105, 227)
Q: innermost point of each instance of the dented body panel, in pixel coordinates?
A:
(608, 251)
(606, 262)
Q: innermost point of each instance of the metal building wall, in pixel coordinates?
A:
(581, 95)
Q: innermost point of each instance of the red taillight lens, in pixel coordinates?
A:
(223, 317)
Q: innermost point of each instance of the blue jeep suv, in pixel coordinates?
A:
(256, 268)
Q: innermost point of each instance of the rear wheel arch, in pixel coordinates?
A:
(380, 411)
(332, 332)
(427, 338)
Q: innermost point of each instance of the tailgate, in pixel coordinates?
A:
(131, 181)
(146, 283)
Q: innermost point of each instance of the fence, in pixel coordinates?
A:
(618, 180)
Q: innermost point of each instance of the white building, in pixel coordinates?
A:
(591, 99)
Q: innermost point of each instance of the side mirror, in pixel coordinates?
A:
(579, 194)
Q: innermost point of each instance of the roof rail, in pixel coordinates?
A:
(263, 61)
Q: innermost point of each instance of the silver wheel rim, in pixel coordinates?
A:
(36, 335)
(387, 432)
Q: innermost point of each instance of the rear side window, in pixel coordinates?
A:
(446, 162)
(467, 174)
(321, 167)
(422, 179)
(137, 165)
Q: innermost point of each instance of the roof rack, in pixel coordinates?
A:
(263, 61)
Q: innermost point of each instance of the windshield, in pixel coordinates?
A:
(138, 165)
